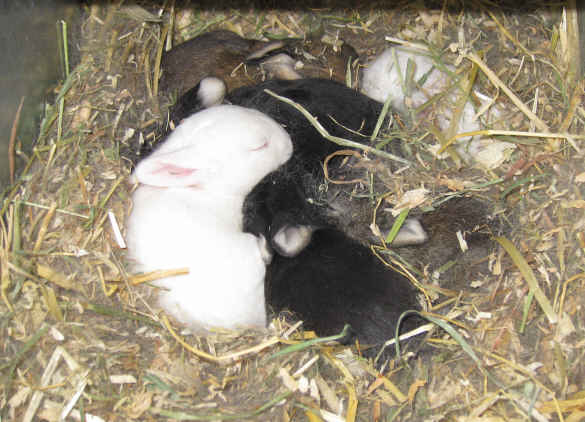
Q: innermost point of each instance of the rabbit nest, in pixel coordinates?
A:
(83, 341)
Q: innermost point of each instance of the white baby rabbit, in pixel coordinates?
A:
(188, 213)
(381, 80)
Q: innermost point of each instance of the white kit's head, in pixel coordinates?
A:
(226, 149)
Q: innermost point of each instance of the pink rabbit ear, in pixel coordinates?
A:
(163, 172)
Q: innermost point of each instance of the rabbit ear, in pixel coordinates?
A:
(211, 91)
(264, 50)
(290, 240)
(165, 170)
(281, 66)
(411, 233)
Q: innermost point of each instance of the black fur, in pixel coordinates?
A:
(294, 188)
(336, 281)
(327, 100)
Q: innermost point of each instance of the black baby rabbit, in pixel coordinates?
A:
(335, 281)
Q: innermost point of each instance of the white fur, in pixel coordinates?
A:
(411, 233)
(281, 66)
(188, 213)
(291, 240)
(211, 91)
(381, 80)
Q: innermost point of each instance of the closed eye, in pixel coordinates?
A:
(174, 170)
(261, 147)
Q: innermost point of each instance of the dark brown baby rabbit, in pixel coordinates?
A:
(240, 61)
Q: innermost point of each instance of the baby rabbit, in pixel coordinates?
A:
(240, 61)
(215, 53)
(188, 213)
(385, 77)
(335, 281)
(332, 280)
